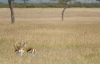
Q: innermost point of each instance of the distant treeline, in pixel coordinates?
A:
(50, 5)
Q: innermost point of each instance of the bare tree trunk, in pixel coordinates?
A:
(64, 10)
(12, 12)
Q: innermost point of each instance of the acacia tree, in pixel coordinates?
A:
(65, 6)
(12, 11)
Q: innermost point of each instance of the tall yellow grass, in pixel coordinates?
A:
(76, 40)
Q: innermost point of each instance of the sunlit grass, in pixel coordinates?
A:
(72, 41)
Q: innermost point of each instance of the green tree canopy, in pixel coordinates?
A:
(64, 1)
(99, 1)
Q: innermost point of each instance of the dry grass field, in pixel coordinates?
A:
(76, 40)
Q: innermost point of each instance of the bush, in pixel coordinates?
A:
(49, 5)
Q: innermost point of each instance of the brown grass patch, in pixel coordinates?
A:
(72, 41)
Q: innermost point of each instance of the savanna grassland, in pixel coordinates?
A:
(76, 40)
